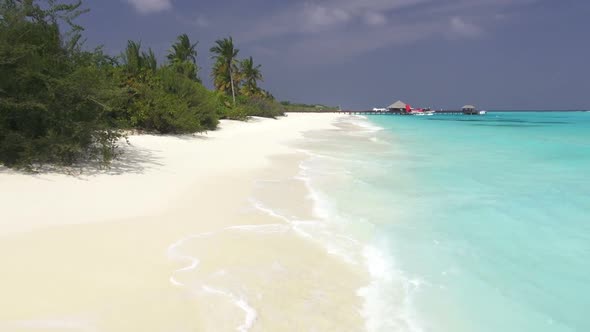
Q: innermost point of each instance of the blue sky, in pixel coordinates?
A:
(497, 54)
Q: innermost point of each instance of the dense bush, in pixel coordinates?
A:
(259, 106)
(168, 99)
(300, 107)
(53, 97)
(199, 102)
(60, 104)
(167, 102)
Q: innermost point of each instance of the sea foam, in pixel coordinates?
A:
(387, 299)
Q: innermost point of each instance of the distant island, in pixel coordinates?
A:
(300, 107)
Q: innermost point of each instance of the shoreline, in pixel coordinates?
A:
(208, 252)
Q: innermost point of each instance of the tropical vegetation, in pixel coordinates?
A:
(225, 67)
(301, 107)
(251, 75)
(63, 104)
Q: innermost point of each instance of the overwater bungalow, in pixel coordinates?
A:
(398, 106)
(471, 110)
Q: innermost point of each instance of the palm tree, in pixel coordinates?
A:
(132, 57)
(251, 74)
(225, 56)
(149, 60)
(183, 50)
(183, 57)
(135, 60)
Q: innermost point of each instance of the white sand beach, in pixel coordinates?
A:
(169, 239)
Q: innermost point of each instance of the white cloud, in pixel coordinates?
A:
(317, 16)
(336, 47)
(375, 18)
(198, 21)
(150, 6)
(464, 29)
(322, 30)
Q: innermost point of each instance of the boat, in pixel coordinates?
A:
(422, 112)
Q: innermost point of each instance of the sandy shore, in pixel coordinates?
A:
(171, 239)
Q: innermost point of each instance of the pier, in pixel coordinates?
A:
(371, 112)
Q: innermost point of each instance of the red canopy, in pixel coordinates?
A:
(408, 108)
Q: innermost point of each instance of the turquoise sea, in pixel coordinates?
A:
(468, 223)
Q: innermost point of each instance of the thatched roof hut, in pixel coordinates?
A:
(398, 105)
(469, 109)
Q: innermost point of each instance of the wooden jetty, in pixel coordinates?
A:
(372, 112)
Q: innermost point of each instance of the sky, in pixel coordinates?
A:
(359, 54)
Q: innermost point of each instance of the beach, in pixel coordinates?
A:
(234, 166)
(311, 222)
(180, 234)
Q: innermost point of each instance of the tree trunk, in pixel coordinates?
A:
(231, 79)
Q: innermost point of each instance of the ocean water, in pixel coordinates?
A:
(466, 223)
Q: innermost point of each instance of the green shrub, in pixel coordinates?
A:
(168, 102)
(61, 105)
(260, 106)
(239, 113)
(201, 104)
(54, 99)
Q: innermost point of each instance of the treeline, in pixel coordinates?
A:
(300, 107)
(62, 104)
